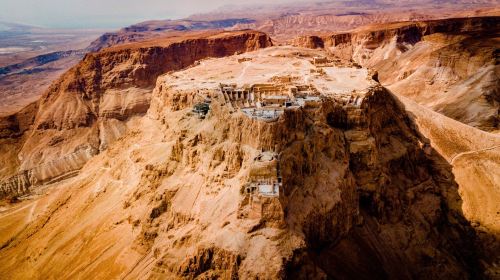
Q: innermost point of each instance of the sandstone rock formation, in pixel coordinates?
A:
(158, 28)
(474, 155)
(179, 149)
(286, 21)
(89, 106)
(282, 22)
(447, 65)
(363, 194)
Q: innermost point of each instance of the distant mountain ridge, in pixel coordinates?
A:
(37, 61)
(150, 29)
(283, 22)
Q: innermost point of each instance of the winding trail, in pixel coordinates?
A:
(33, 204)
(471, 152)
(243, 71)
(30, 216)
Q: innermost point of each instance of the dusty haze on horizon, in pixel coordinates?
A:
(108, 13)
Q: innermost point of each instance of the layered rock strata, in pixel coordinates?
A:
(450, 66)
(90, 105)
(357, 177)
(360, 193)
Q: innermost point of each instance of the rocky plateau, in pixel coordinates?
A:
(168, 157)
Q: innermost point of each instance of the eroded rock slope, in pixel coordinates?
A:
(360, 193)
(450, 66)
(89, 106)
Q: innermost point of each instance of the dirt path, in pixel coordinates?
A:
(471, 152)
(30, 216)
(243, 71)
(33, 204)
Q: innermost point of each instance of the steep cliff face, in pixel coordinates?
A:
(361, 192)
(133, 66)
(157, 28)
(475, 157)
(453, 75)
(448, 65)
(89, 106)
(284, 22)
(367, 45)
(12, 129)
(404, 189)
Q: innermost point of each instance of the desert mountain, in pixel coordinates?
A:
(25, 75)
(284, 22)
(90, 105)
(174, 152)
(323, 188)
(450, 66)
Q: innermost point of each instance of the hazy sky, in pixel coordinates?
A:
(105, 13)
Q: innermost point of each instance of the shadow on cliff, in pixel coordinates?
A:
(410, 224)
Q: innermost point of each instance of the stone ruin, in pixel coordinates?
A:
(244, 59)
(201, 109)
(267, 101)
(322, 61)
(264, 177)
(263, 187)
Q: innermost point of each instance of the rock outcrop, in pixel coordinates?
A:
(157, 28)
(448, 65)
(399, 187)
(362, 193)
(89, 106)
(284, 22)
